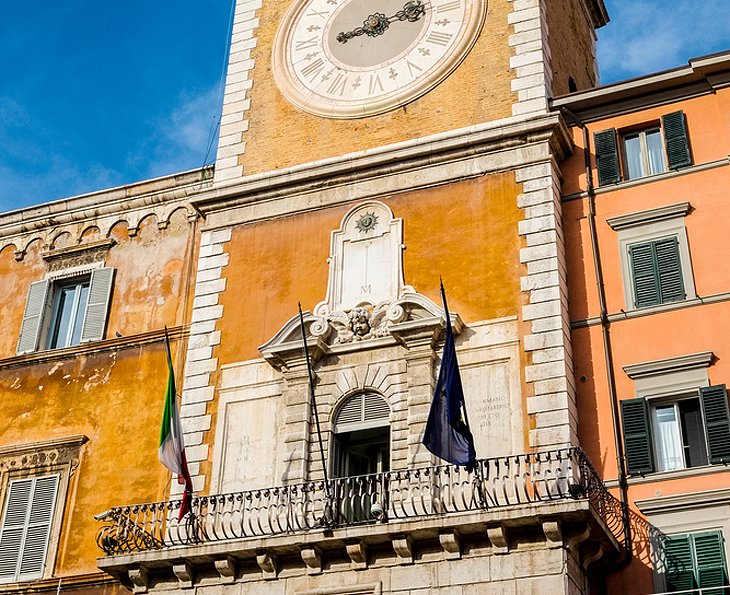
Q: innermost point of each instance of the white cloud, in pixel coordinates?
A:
(649, 35)
(181, 140)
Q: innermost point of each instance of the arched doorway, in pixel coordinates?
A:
(361, 456)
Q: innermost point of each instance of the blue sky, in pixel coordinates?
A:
(99, 94)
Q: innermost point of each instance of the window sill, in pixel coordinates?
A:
(624, 184)
(51, 584)
(114, 344)
(678, 474)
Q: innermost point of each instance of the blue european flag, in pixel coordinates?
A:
(447, 432)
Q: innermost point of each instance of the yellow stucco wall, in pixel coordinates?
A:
(113, 396)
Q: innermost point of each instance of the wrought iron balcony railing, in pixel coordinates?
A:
(564, 474)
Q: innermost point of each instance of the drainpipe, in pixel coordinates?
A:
(607, 352)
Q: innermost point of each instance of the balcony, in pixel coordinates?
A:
(557, 494)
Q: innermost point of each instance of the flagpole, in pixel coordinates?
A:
(310, 374)
(477, 468)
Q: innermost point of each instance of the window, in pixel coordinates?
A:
(28, 514)
(655, 260)
(656, 272)
(61, 312)
(644, 152)
(361, 451)
(696, 561)
(669, 434)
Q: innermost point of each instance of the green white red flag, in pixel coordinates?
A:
(172, 446)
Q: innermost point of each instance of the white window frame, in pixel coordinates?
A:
(55, 298)
(48, 312)
(641, 134)
(647, 226)
(673, 399)
(22, 461)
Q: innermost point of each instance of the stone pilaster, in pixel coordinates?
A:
(550, 375)
(531, 59)
(236, 101)
(198, 388)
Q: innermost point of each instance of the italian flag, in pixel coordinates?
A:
(172, 446)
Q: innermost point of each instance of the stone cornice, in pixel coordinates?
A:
(115, 201)
(392, 160)
(701, 76)
(669, 365)
(112, 344)
(51, 585)
(649, 216)
(28, 447)
(702, 499)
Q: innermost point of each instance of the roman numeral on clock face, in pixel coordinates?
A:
(305, 44)
(312, 71)
(375, 84)
(337, 87)
(438, 38)
(447, 6)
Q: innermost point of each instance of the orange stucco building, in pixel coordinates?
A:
(648, 307)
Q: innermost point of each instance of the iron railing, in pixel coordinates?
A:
(564, 474)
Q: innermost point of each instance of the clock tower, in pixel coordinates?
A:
(295, 93)
(368, 148)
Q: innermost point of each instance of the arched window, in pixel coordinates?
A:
(361, 442)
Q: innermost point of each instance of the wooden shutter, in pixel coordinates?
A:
(607, 162)
(710, 557)
(644, 273)
(35, 309)
(26, 527)
(717, 423)
(679, 563)
(669, 267)
(676, 140)
(97, 306)
(637, 436)
(361, 411)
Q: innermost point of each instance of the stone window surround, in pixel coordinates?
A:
(648, 225)
(61, 456)
(689, 513)
(670, 376)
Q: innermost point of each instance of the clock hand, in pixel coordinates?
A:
(377, 23)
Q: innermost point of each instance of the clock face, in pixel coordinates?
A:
(356, 58)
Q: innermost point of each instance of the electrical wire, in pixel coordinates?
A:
(215, 122)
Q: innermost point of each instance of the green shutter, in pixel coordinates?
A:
(717, 423)
(645, 277)
(607, 162)
(669, 266)
(679, 563)
(637, 437)
(710, 556)
(676, 140)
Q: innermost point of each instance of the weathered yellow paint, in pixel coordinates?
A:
(114, 397)
(275, 264)
(280, 135)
